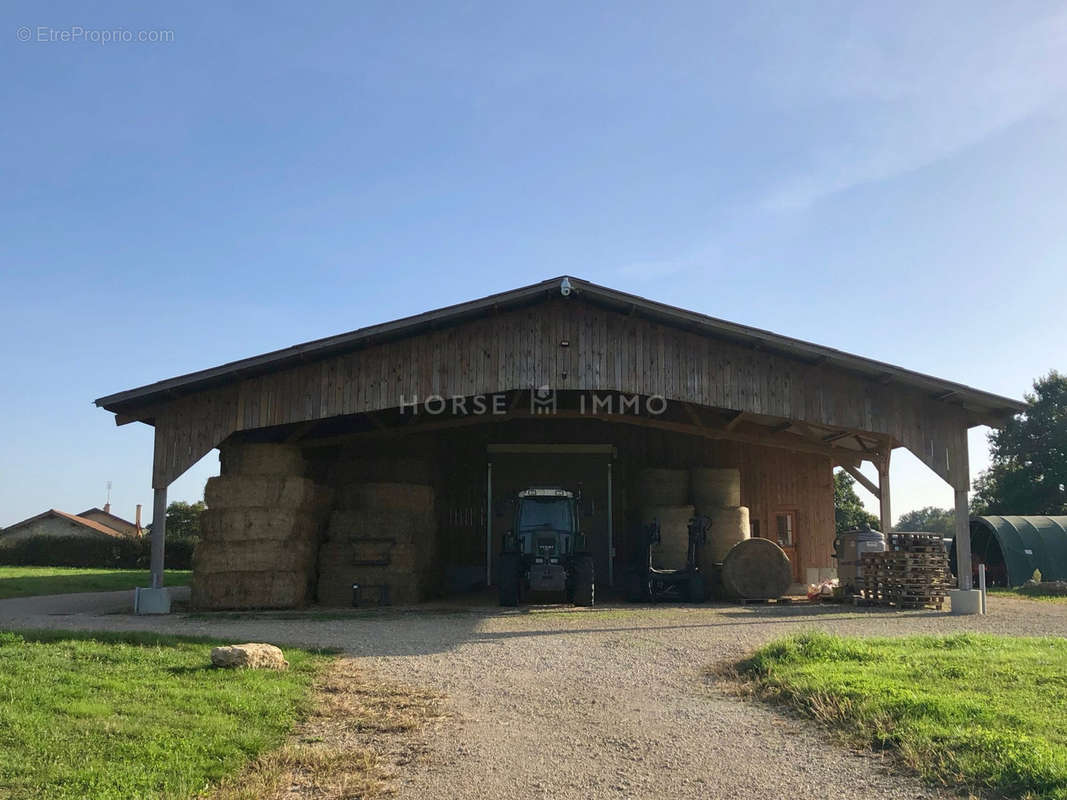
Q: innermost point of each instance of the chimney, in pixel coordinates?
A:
(107, 508)
(137, 519)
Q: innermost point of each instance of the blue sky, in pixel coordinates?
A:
(889, 182)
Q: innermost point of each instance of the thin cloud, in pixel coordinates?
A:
(906, 98)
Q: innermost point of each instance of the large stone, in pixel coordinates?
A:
(254, 655)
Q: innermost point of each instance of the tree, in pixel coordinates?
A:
(1028, 474)
(930, 519)
(183, 520)
(848, 508)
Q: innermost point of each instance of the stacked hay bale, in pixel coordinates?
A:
(664, 497)
(260, 533)
(381, 535)
(717, 495)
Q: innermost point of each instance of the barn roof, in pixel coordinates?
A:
(980, 402)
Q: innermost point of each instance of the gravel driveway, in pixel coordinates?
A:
(601, 703)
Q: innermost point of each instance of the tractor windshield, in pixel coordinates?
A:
(546, 513)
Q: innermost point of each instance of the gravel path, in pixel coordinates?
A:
(601, 703)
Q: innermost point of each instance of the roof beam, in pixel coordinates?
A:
(734, 421)
(863, 480)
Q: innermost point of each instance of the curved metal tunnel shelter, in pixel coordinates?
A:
(1013, 547)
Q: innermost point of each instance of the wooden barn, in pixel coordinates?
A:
(382, 457)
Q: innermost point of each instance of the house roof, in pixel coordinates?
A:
(98, 527)
(95, 510)
(976, 400)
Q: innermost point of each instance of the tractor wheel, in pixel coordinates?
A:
(509, 581)
(584, 584)
(696, 589)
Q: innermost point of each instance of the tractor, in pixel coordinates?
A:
(545, 549)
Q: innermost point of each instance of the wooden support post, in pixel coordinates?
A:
(159, 534)
(883, 495)
(489, 524)
(611, 534)
(963, 540)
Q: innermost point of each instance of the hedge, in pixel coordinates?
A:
(71, 551)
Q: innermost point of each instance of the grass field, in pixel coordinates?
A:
(113, 717)
(27, 581)
(965, 710)
(1027, 594)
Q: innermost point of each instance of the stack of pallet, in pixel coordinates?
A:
(912, 573)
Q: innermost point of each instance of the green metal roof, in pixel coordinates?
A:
(1027, 543)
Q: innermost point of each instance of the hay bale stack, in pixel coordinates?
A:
(251, 491)
(269, 589)
(728, 527)
(715, 488)
(663, 487)
(260, 533)
(756, 569)
(355, 468)
(242, 458)
(381, 533)
(673, 548)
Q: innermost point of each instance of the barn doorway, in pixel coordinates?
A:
(584, 467)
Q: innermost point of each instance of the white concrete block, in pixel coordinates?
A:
(965, 601)
(151, 601)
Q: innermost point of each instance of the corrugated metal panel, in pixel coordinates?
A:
(1027, 543)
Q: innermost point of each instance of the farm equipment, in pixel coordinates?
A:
(646, 583)
(545, 550)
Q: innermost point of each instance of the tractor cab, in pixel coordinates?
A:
(546, 524)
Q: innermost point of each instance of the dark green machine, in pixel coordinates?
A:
(645, 583)
(545, 550)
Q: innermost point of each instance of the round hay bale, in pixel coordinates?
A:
(715, 488)
(262, 459)
(663, 487)
(756, 569)
(728, 527)
(673, 548)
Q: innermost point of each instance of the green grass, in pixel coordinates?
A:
(114, 716)
(1023, 593)
(27, 581)
(976, 711)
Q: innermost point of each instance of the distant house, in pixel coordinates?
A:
(105, 517)
(95, 523)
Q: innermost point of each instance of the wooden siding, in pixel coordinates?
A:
(521, 349)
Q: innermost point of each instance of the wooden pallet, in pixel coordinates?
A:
(913, 574)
